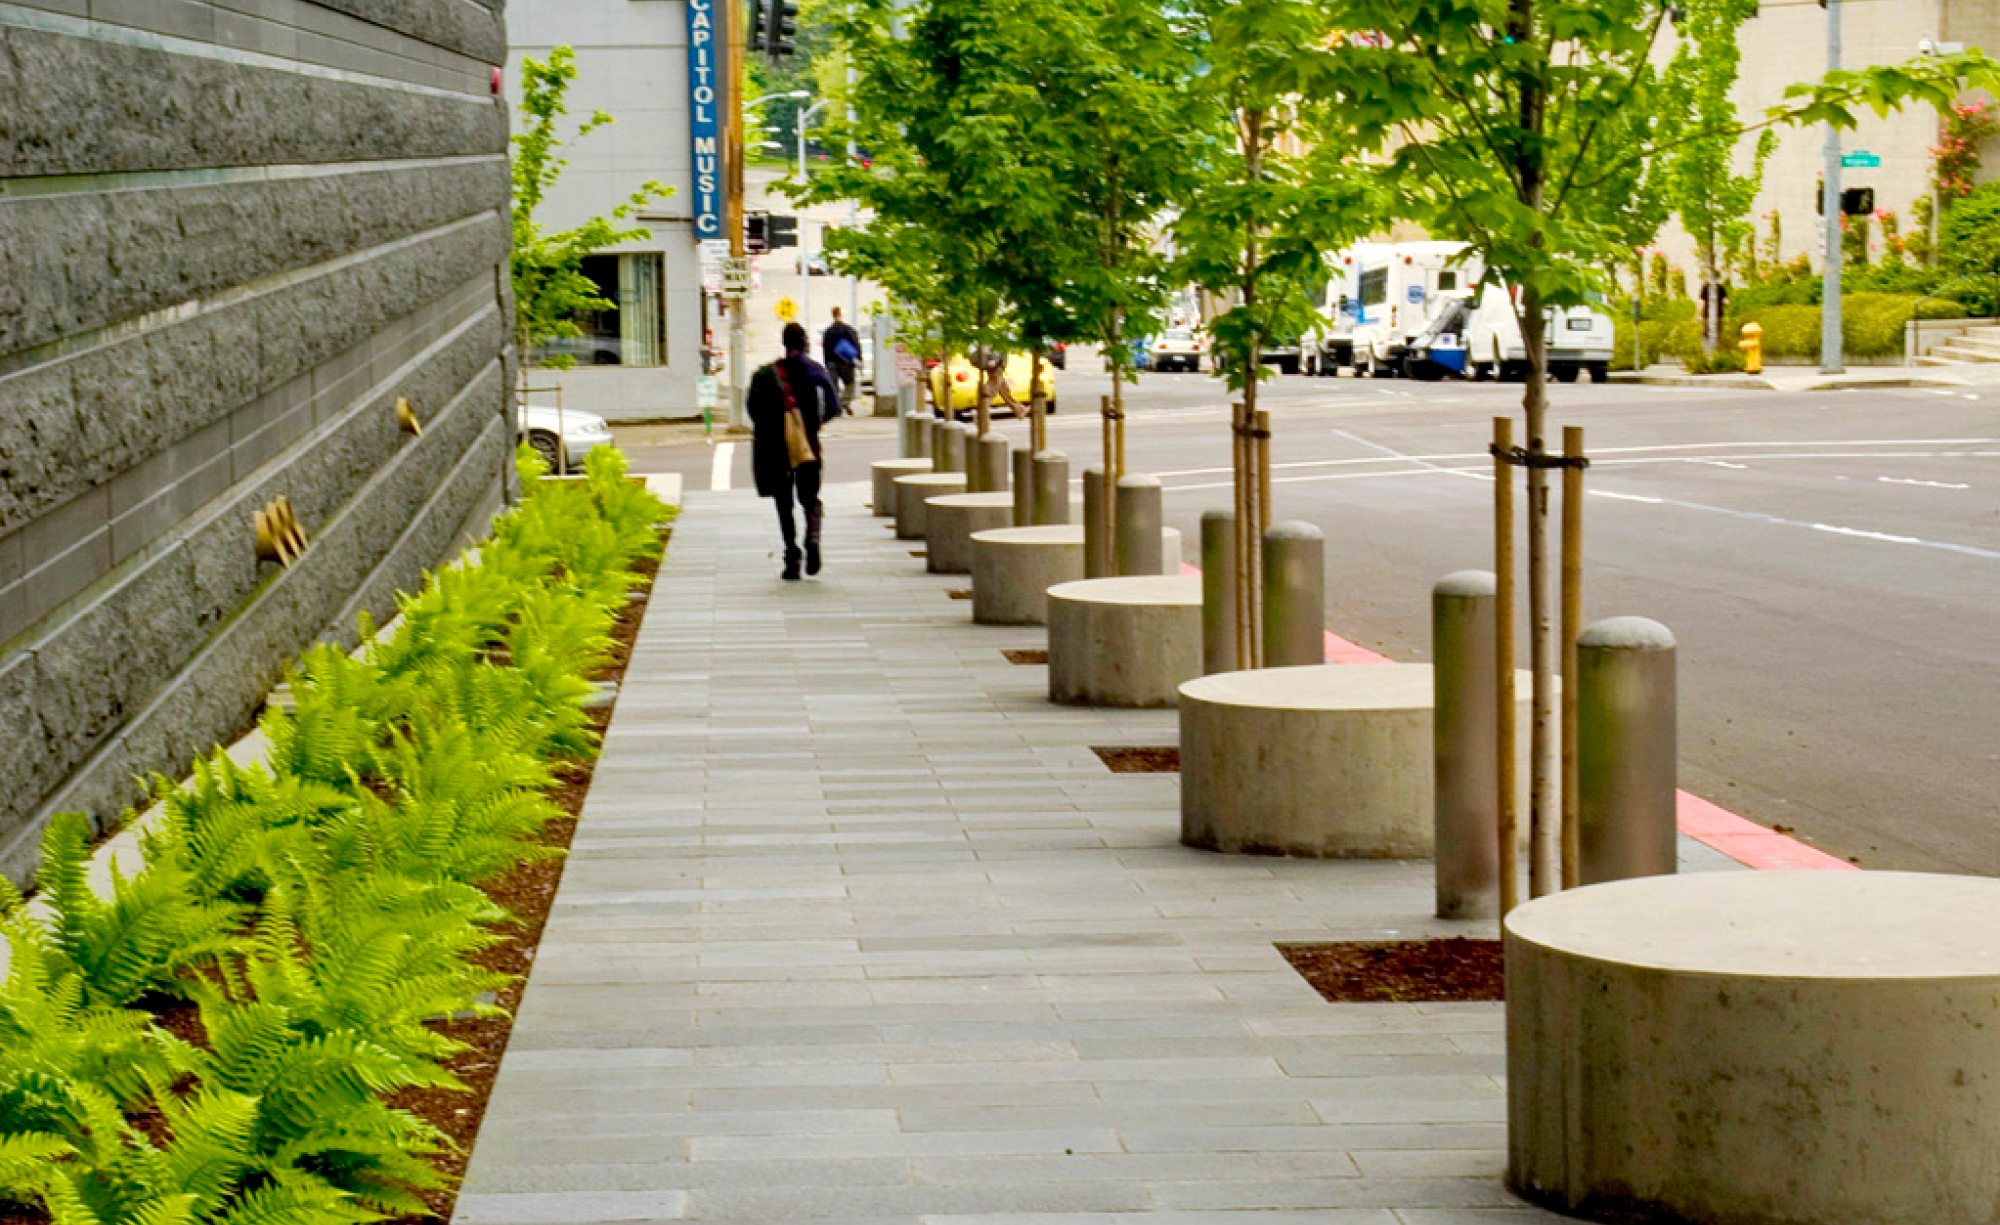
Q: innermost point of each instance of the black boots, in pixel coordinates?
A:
(814, 515)
(791, 574)
(812, 555)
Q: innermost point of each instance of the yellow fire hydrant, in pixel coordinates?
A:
(1752, 345)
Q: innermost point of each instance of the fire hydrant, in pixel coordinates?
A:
(1752, 345)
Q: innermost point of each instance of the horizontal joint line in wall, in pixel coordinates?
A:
(30, 186)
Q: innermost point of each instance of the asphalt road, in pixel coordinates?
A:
(1830, 564)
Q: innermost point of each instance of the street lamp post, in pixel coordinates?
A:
(805, 266)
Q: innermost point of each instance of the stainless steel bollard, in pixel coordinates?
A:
(1627, 750)
(913, 430)
(1294, 595)
(1465, 722)
(1051, 488)
(1097, 551)
(1138, 544)
(989, 465)
(952, 450)
(1024, 487)
(1218, 591)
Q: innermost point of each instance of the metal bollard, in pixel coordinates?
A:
(1627, 750)
(1096, 539)
(1465, 718)
(1139, 549)
(1218, 591)
(1294, 595)
(1051, 504)
(912, 429)
(951, 452)
(989, 465)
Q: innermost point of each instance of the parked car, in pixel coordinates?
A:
(562, 436)
(1179, 349)
(957, 383)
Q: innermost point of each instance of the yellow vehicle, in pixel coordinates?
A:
(957, 384)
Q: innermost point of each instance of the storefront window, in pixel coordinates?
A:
(632, 333)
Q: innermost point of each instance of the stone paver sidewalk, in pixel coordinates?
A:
(857, 929)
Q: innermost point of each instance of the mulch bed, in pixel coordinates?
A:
(1402, 971)
(1140, 759)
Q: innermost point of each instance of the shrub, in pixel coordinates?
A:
(1871, 324)
(1725, 360)
(318, 911)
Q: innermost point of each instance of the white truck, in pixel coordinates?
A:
(1580, 339)
(1396, 288)
(1330, 346)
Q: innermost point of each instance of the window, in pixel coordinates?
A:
(1374, 287)
(634, 331)
(1447, 280)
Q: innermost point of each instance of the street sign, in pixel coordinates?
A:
(1862, 159)
(736, 276)
(787, 309)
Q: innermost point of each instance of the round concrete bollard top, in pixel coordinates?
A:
(1050, 455)
(1626, 634)
(1467, 584)
(1138, 480)
(1218, 515)
(1293, 529)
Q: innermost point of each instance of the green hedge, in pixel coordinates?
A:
(1871, 324)
(314, 915)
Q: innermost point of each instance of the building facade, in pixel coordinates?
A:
(643, 360)
(1786, 44)
(233, 235)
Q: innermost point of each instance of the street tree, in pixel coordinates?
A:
(550, 288)
(1714, 203)
(1528, 127)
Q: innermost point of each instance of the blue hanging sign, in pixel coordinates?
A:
(704, 127)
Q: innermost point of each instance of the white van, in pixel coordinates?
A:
(1580, 339)
(1331, 342)
(1396, 287)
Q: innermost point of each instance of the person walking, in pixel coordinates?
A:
(841, 347)
(787, 402)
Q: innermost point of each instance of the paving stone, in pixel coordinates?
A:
(857, 930)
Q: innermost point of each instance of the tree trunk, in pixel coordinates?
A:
(1544, 816)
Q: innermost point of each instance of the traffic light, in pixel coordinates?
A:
(780, 231)
(757, 35)
(1854, 201)
(781, 29)
(757, 233)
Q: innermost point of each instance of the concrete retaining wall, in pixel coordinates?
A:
(232, 234)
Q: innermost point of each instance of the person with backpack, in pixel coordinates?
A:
(788, 401)
(841, 347)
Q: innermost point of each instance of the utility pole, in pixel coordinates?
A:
(1831, 344)
(739, 381)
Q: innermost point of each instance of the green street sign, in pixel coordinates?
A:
(1862, 159)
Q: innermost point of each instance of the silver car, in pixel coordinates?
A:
(562, 436)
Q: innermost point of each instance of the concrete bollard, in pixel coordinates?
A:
(1051, 505)
(1294, 595)
(988, 473)
(1627, 749)
(1465, 725)
(1138, 545)
(1024, 487)
(934, 436)
(1097, 551)
(951, 454)
(1218, 591)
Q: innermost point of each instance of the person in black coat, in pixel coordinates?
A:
(816, 400)
(840, 346)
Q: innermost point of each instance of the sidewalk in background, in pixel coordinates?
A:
(858, 929)
(1807, 378)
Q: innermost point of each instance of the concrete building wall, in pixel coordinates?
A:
(631, 59)
(1786, 44)
(232, 234)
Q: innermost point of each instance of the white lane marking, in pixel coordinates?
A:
(1943, 546)
(1897, 480)
(1719, 463)
(718, 472)
(1393, 453)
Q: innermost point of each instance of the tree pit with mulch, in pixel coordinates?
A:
(1402, 971)
(1140, 759)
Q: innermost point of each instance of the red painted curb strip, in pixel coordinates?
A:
(1710, 824)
